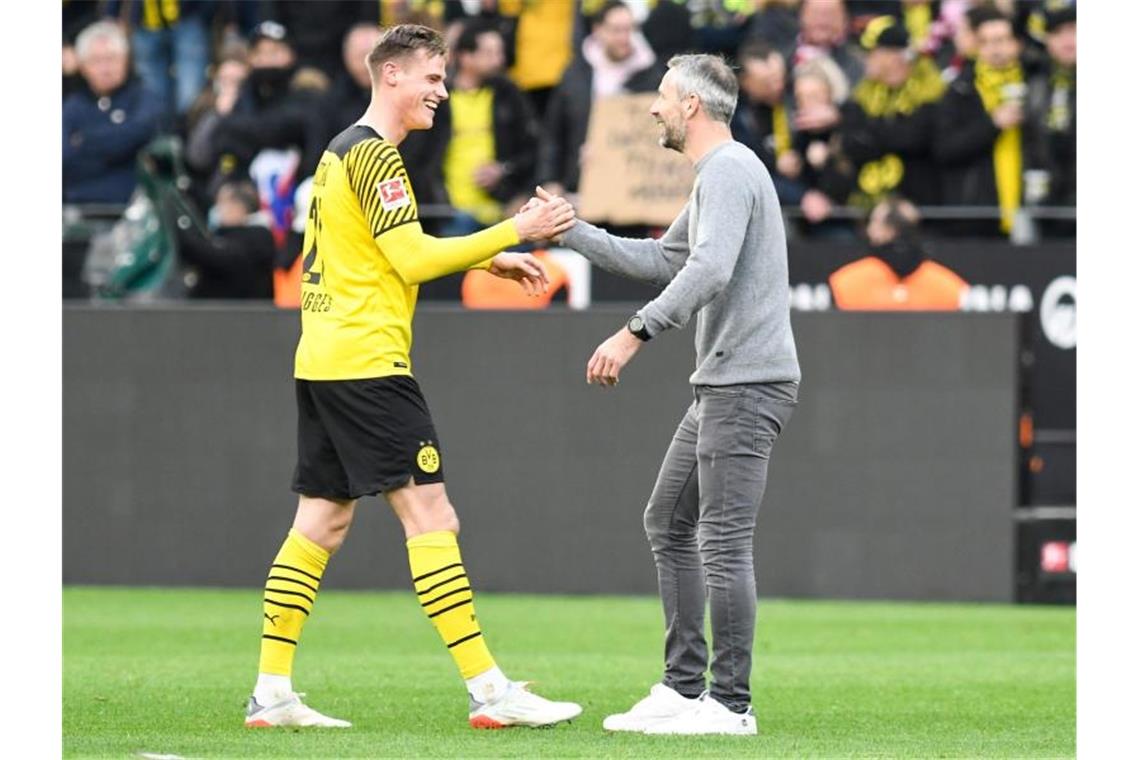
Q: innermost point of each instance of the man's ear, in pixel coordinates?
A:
(389, 72)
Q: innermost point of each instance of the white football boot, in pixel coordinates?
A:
(519, 707)
(288, 712)
(662, 703)
(709, 717)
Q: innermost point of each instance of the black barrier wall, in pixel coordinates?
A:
(895, 478)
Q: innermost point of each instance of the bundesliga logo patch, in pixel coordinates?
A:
(393, 195)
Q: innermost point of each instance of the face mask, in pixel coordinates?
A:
(270, 83)
(902, 255)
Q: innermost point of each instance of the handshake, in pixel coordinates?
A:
(544, 217)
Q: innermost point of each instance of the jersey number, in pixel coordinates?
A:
(309, 273)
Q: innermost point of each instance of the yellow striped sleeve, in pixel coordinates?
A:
(377, 175)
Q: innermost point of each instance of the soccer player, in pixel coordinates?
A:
(724, 260)
(363, 425)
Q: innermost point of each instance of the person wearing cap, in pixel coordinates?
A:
(889, 129)
(979, 139)
(275, 130)
(1051, 106)
(318, 29)
(271, 111)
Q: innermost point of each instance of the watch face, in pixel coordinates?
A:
(636, 324)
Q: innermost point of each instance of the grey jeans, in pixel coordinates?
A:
(700, 522)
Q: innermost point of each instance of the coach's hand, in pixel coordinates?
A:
(524, 268)
(542, 195)
(544, 221)
(611, 357)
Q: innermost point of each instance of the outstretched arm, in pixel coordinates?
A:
(648, 260)
(418, 257)
(381, 184)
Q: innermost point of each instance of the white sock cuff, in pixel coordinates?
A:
(271, 688)
(488, 685)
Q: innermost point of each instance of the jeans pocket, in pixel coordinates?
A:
(768, 420)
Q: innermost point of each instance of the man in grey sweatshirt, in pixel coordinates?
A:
(724, 260)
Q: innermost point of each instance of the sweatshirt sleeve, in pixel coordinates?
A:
(648, 260)
(723, 204)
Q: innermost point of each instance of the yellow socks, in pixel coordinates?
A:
(290, 592)
(445, 594)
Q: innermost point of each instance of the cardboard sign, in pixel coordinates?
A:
(628, 178)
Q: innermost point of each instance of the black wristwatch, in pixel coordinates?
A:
(636, 326)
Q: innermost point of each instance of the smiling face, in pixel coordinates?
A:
(669, 112)
(419, 89)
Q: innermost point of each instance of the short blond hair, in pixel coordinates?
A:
(827, 71)
(403, 40)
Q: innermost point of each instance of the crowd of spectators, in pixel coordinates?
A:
(955, 103)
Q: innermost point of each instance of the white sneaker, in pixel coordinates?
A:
(709, 717)
(288, 712)
(662, 703)
(519, 707)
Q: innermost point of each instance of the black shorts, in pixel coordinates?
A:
(361, 437)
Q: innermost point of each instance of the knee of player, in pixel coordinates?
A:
(440, 515)
(333, 535)
(656, 524)
(724, 548)
(449, 520)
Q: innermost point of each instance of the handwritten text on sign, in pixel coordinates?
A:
(628, 178)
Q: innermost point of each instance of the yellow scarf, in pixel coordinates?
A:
(780, 131)
(158, 14)
(924, 85)
(989, 82)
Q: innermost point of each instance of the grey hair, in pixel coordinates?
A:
(710, 79)
(100, 30)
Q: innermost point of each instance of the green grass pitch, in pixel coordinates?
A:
(168, 671)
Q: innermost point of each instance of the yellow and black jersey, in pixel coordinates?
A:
(365, 254)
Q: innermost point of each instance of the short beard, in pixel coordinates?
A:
(673, 139)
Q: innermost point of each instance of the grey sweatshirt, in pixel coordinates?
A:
(725, 259)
